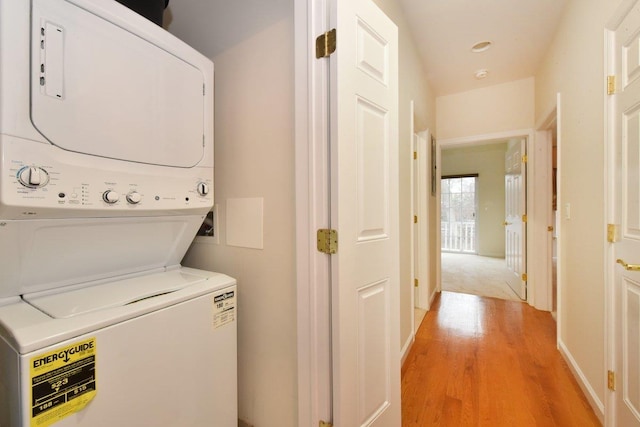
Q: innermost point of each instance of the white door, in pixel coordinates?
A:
(515, 190)
(627, 213)
(364, 200)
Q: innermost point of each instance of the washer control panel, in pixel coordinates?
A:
(48, 182)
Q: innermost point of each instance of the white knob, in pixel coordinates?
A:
(110, 196)
(134, 197)
(33, 177)
(203, 189)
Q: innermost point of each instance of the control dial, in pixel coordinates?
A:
(33, 177)
(203, 188)
(110, 196)
(134, 197)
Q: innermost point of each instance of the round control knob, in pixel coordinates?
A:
(203, 188)
(134, 197)
(110, 196)
(33, 177)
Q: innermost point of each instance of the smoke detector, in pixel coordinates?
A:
(481, 74)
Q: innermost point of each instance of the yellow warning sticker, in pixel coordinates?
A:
(63, 381)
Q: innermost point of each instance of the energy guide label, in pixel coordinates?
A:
(63, 382)
(224, 308)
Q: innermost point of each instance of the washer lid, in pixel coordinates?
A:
(107, 82)
(121, 293)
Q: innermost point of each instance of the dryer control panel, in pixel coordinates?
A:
(44, 181)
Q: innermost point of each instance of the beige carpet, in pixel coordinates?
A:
(477, 275)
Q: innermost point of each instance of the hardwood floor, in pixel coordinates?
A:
(487, 362)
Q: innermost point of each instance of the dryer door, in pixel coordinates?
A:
(109, 83)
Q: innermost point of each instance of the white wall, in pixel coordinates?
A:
(488, 162)
(254, 157)
(413, 86)
(574, 66)
(499, 108)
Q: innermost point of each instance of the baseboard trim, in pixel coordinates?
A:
(406, 348)
(432, 297)
(592, 397)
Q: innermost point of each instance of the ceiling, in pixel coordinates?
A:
(443, 30)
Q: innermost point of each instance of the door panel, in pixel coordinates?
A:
(364, 169)
(373, 180)
(627, 213)
(373, 351)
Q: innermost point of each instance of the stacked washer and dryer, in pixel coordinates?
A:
(106, 174)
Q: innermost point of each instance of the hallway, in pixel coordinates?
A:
(487, 362)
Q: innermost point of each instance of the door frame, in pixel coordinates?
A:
(313, 271)
(543, 298)
(420, 208)
(537, 285)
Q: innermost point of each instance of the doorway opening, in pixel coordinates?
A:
(473, 217)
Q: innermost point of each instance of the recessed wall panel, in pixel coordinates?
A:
(372, 164)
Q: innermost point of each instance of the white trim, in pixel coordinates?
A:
(433, 295)
(559, 200)
(609, 253)
(485, 138)
(414, 251)
(406, 348)
(424, 160)
(312, 268)
(590, 393)
(438, 254)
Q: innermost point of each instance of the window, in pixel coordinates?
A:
(458, 213)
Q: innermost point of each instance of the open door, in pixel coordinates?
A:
(363, 92)
(516, 216)
(625, 248)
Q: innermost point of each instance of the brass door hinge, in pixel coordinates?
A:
(524, 218)
(525, 158)
(325, 424)
(524, 277)
(611, 380)
(415, 155)
(612, 233)
(611, 85)
(326, 44)
(415, 283)
(415, 219)
(327, 241)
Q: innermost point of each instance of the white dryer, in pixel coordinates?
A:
(106, 173)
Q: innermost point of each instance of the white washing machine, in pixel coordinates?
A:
(106, 173)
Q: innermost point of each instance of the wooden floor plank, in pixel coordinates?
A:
(488, 362)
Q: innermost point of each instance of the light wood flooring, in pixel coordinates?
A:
(483, 361)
